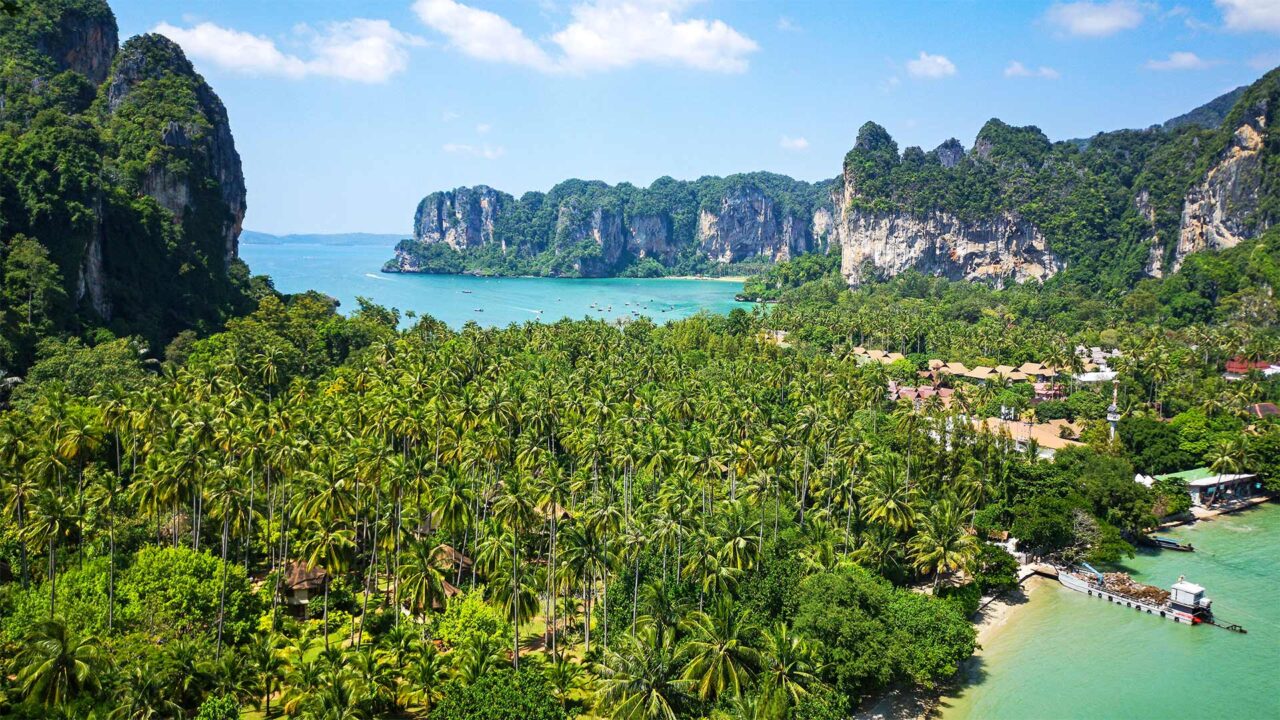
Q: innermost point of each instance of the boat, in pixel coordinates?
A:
(1171, 544)
(1184, 602)
(466, 292)
(479, 309)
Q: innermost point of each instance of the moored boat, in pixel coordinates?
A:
(1183, 603)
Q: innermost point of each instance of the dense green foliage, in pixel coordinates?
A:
(83, 243)
(711, 523)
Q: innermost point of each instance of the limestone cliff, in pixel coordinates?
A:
(189, 148)
(590, 229)
(748, 223)
(462, 218)
(128, 172)
(998, 249)
(1219, 210)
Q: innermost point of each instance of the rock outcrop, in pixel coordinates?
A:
(999, 249)
(201, 139)
(596, 230)
(81, 37)
(1219, 210)
(747, 224)
(462, 219)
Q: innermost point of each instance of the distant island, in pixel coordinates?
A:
(253, 237)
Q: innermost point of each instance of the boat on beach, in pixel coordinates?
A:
(1183, 603)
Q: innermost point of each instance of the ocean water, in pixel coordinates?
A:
(1066, 655)
(351, 270)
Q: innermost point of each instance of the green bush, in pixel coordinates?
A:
(501, 695)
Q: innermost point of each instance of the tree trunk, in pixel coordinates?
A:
(222, 591)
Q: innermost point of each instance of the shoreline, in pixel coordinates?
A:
(992, 617)
(722, 278)
(1198, 513)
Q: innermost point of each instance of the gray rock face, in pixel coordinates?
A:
(1217, 210)
(83, 40)
(950, 153)
(650, 236)
(462, 219)
(999, 249)
(151, 57)
(749, 224)
(597, 225)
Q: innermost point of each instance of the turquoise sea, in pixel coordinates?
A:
(350, 270)
(1066, 655)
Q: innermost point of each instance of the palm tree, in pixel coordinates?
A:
(53, 518)
(265, 657)
(888, 497)
(941, 543)
(328, 547)
(144, 695)
(422, 583)
(640, 677)
(788, 670)
(720, 652)
(515, 508)
(59, 667)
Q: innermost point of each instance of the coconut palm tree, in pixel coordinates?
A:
(720, 653)
(941, 543)
(640, 678)
(57, 666)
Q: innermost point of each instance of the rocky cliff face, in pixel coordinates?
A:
(83, 39)
(998, 249)
(748, 223)
(462, 219)
(593, 230)
(1219, 211)
(201, 136)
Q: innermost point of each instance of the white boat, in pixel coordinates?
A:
(1185, 602)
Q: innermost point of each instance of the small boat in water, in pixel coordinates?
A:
(1170, 544)
(466, 292)
(479, 309)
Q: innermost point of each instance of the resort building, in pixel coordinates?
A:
(300, 584)
(1238, 367)
(1209, 488)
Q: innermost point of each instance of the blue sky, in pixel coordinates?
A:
(347, 113)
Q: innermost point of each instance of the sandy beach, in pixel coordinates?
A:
(992, 616)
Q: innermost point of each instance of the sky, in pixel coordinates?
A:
(347, 113)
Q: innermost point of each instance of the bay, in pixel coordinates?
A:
(347, 271)
(1066, 655)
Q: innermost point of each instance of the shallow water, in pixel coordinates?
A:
(348, 271)
(1067, 655)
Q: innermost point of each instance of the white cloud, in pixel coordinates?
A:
(930, 66)
(1090, 19)
(450, 115)
(620, 33)
(1246, 15)
(483, 128)
(1017, 69)
(1179, 61)
(486, 151)
(602, 35)
(361, 50)
(786, 24)
(793, 143)
(481, 34)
